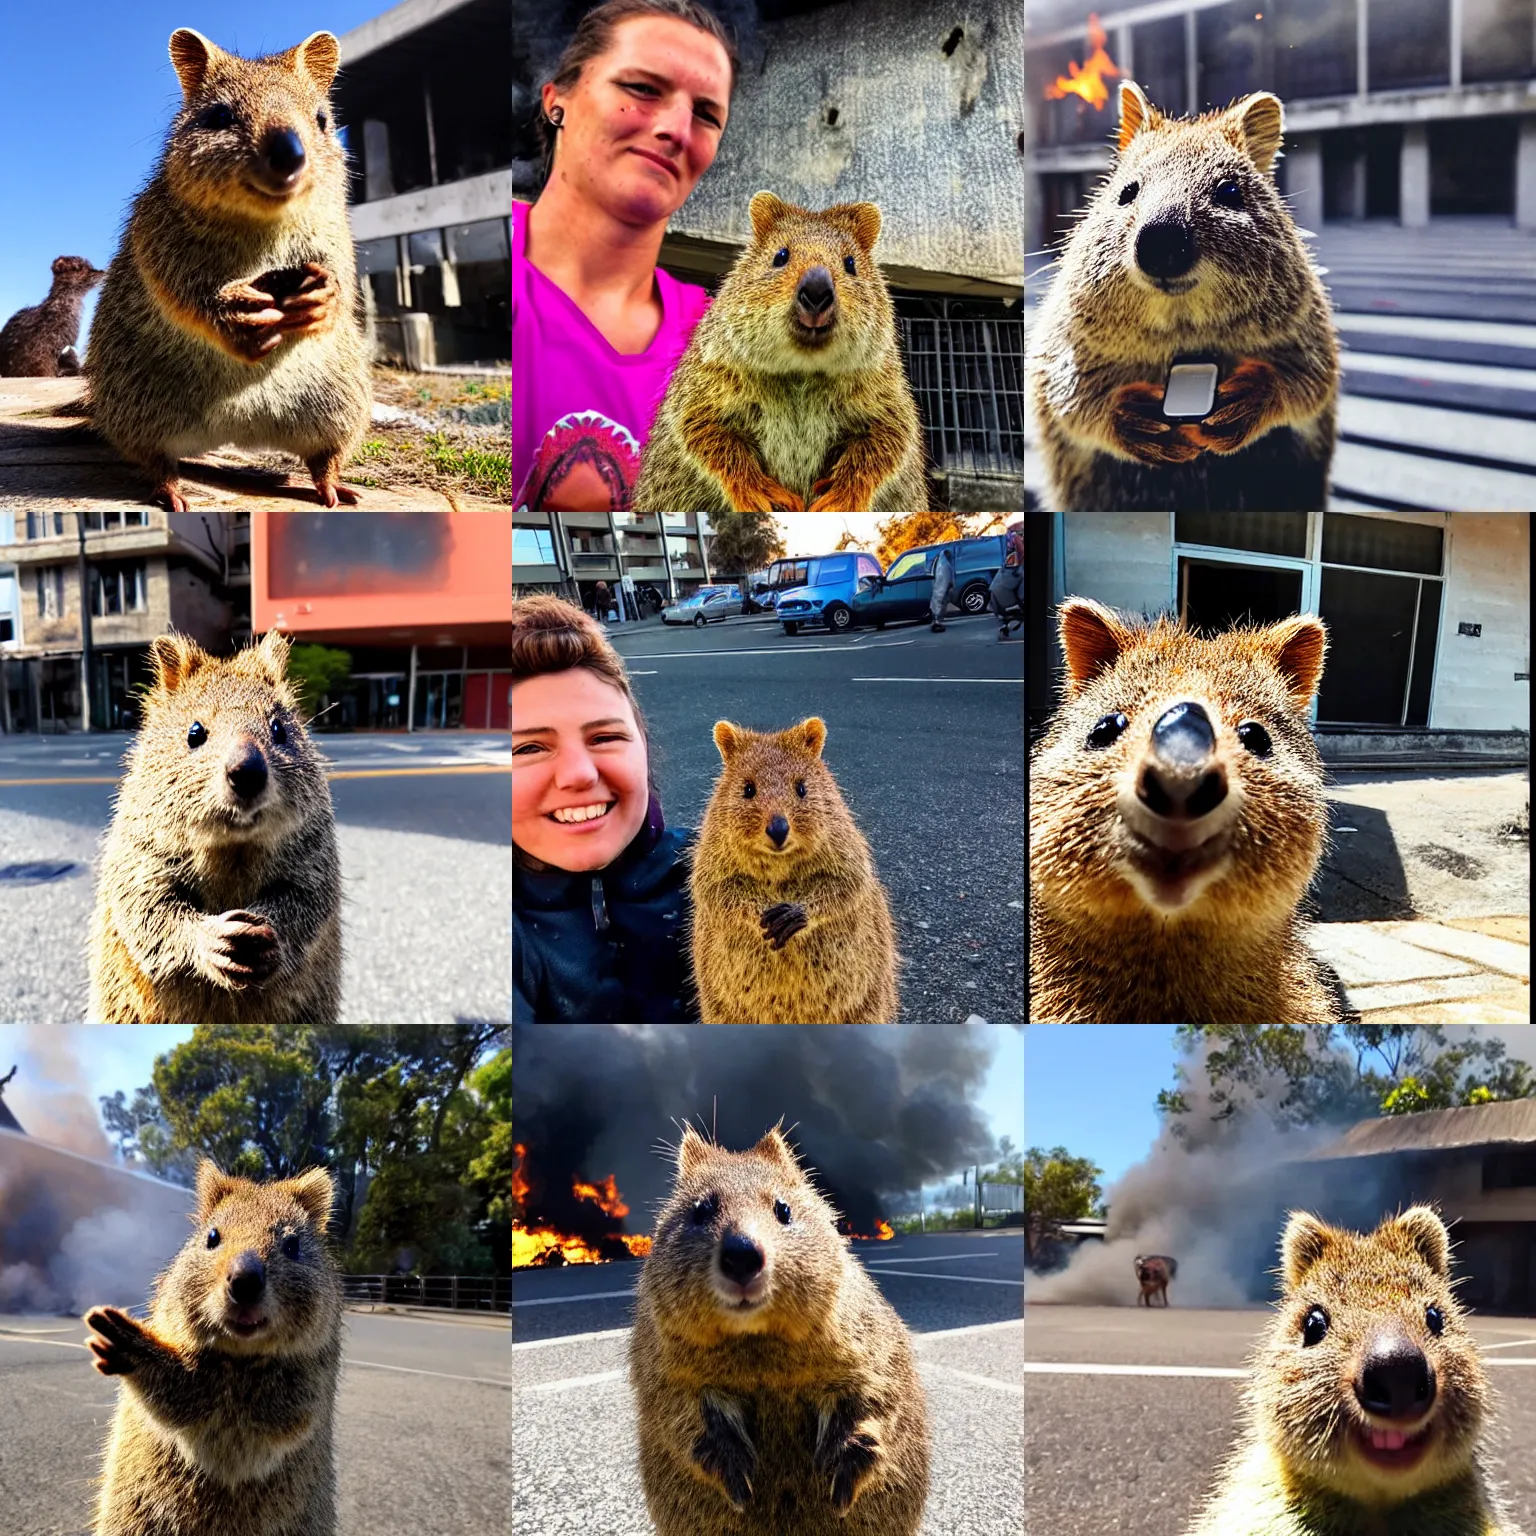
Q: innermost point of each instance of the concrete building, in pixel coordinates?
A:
(893, 102)
(570, 552)
(1428, 612)
(142, 573)
(1476, 1164)
(423, 96)
(417, 600)
(1406, 110)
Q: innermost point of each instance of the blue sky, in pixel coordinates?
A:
(1091, 1088)
(89, 91)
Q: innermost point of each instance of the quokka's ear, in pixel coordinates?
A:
(1092, 638)
(1137, 114)
(1256, 124)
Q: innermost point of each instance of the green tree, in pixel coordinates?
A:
(1057, 1188)
(743, 542)
(316, 670)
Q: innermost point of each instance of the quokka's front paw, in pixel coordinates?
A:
(118, 1344)
(1243, 408)
(237, 949)
(1141, 430)
(848, 1454)
(782, 922)
(725, 1455)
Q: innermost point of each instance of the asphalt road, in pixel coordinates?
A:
(925, 734)
(424, 825)
(1108, 1449)
(573, 1429)
(421, 1427)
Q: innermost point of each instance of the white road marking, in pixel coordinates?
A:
(574, 1338)
(554, 1301)
(1061, 1368)
(919, 1274)
(971, 1377)
(941, 1258)
(570, 1383)
(406, 1370)
(955, 1333)
(1509, 1344)
(775, 650)
(32, 1338)
(1012, 682)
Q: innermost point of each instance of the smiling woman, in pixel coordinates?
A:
(631, 118)
(599, 898)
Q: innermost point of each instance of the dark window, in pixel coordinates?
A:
(1509, 1170)
(1233, 52)
(1472, 166)
(1409, 44)
(1498, 40)
(1383, 544)
(1370, 621)
(1262, 533)
(1424, 654)
(1316, 48)
(1157, 51)
(1213, 596)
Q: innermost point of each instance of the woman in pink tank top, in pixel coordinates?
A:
(631, 118)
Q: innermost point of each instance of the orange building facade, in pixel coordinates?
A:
(421, 601)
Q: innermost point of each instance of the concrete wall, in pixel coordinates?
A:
(1124, 559)
(930, 136)
(1488, 582)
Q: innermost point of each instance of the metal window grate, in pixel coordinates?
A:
(967, 374)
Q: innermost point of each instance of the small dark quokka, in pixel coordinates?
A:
(1176, 818)
(219, 900)
(776, 1387)
(1186, 253)
(223, 1423)
(1367, 1402)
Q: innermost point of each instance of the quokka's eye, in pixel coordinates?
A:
(219, 115)
(850, 266)
(197, 734)
(1434, 1319)
(1128, 192)
(279, 733)
(291, 1246)
(1255, 738)
(1314, 1328)
(704, 1210)
(748, 790)
(781, 255)
(782, 1211)
(1106, 732)
(213, 1237)
(1228, 195)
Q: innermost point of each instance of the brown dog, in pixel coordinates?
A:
(1154, 1271)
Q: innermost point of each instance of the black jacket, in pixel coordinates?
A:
(609, 946)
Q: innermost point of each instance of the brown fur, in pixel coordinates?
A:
(804, 1416)
(219, 1434)
(34, 342)
(756, 419)
(1298, 1470)
(1153, 1272)
(1101, 951)
(207, 912)
(794, 935)
(230, 316)
(1106, 335)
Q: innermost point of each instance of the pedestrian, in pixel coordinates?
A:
(943, 585)
(600, 907)
(602, 602)
(1007, 585)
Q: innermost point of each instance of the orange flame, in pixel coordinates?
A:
(883, 1231)
(1087, 80)
(543, 1245)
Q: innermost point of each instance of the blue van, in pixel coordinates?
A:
(905, 590)
(827, 590)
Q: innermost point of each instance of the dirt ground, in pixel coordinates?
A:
(1427, 844)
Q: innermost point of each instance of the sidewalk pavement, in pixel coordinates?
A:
(1468, 970)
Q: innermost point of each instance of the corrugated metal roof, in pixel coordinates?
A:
(1435, 1130)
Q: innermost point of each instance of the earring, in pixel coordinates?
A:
(556, 117)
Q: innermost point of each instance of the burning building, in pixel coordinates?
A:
(1402, 110)
(75, 1232)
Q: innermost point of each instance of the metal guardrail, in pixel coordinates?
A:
(457, 1293)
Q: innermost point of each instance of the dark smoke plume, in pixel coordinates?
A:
(877, 1111)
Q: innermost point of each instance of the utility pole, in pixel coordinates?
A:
(85, 629)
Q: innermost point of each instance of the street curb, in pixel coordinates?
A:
(438, 1314)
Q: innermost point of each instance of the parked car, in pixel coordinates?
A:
(827, 596)
(906, 589)
(706, 604)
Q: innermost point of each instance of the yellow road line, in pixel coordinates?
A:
(351, 773)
